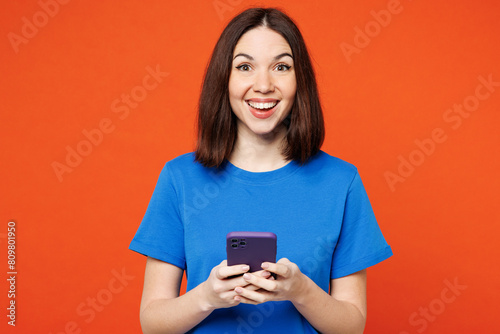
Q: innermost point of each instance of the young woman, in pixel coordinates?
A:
(258, 167)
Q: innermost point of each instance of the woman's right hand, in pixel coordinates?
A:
(218, 289)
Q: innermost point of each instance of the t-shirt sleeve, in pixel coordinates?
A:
(361, 243)
(161, 233)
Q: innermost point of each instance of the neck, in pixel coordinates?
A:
(259, 153)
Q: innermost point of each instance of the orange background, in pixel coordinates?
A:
(73, 233)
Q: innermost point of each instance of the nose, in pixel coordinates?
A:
(264, 82)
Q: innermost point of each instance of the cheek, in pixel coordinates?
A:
(231, 87)
(236, 89)
(235, 96)
(289, 88)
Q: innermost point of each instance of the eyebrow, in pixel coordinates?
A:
(281, 55)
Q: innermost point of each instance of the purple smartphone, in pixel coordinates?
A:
(250, 248)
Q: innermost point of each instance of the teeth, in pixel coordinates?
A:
(265, 105)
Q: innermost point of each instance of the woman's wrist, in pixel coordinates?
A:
(202, 298)
(303, 291)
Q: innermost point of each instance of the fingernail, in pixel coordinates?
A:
(266, 274)
(238, 290)
(246, 276)
(265, 265)
(245, 268)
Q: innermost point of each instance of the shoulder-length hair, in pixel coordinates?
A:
(217, 123)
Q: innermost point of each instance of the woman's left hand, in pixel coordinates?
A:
(289, 284)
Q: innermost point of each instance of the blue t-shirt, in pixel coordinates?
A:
(319, 211)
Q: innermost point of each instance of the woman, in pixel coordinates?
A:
(258, 167)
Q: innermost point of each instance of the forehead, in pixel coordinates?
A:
(262, 40)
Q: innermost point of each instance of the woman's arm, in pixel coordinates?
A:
(164, 311)
(341, 311)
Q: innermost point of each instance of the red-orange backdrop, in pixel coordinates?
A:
(97, 96)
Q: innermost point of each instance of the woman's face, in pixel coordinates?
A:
(262, 82)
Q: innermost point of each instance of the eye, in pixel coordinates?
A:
(282, 67)
(243, 67)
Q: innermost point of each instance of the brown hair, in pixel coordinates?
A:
(217, 123)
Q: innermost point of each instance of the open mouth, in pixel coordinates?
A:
(262, 109)
(264, 106)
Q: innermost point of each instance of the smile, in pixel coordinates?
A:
(262, 109)
(262, 105)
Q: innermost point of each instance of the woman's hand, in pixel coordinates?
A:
(289, 284)
(219, 289)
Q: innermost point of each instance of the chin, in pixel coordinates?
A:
(267, 130)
